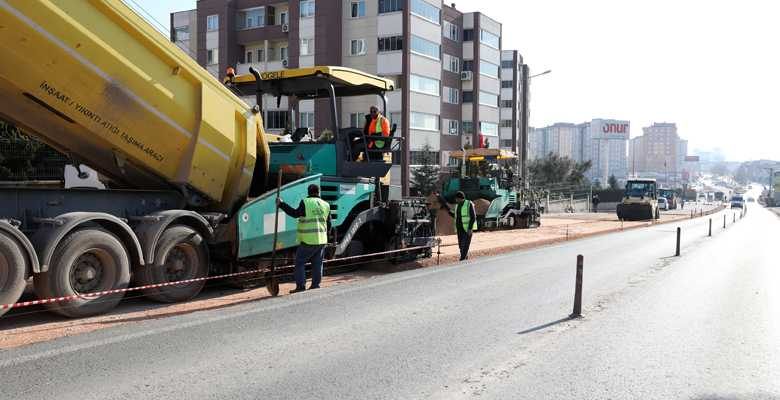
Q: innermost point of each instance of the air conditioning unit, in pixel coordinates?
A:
(453, 131)
(285, 62)
(285, 27)
(465, 75)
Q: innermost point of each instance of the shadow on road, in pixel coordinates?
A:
(540, 327)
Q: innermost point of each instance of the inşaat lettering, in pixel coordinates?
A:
(96, 118)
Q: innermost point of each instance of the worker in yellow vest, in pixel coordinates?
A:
(313, 215)
(465, 222)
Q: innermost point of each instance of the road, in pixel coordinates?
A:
(703, 325)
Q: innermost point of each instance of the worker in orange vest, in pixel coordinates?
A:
(376, 125)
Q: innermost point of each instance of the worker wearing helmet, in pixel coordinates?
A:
(313, 215)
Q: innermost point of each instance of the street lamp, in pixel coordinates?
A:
(540, 74)
(526, 114)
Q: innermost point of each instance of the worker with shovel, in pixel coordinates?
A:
(313, 215)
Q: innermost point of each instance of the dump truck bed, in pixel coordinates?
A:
(95, 81)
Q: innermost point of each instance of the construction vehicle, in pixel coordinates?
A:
(186, 169)
(509, 208)
(640, 201)
(671, 197)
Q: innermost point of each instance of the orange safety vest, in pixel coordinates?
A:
(376, 127)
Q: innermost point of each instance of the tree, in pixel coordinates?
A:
(554, 169)
(613, 182)
(425, 177)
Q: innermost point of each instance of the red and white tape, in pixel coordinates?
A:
(183, 282)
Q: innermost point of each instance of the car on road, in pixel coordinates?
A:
(663, 204)
(737, 201)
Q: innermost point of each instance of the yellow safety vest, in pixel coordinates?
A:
(313, 227)
(376, 128)
(465, 218)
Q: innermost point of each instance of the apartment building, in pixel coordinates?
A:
(559, 139)
(658, 152)
(447, 64)
(605, 143)
(511, 113)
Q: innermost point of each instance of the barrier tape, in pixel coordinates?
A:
(93, 295)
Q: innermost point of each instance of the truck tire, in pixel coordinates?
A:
(180, 255)
(657, 213)
(87, 260)
(12, 271)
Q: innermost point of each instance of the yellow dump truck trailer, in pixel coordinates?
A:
(95, 81)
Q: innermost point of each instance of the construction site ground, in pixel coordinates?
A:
(35, 324)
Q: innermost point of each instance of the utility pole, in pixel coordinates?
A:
(526, 113)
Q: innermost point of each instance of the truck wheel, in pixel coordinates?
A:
(180, 255)
(657, 214)
(86, 261)
(12, 270)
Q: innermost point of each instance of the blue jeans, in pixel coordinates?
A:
(304, 254)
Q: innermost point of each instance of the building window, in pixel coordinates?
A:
(181, 33)
(283, 53)
(422, 84)
(468, 35)
(468, 96)
(451, 95)
(282, 17)
(489, 39)
(249, 55)
(451, 63)
(357, 120)
(392, 43)
(358, 9)
(307, 47)
(357, 47)
(506, 103)
(506, 143)
(212, 56)
(488, 69)
(212, 22)
(488, 128)
(260, 55)
(451, 127)
(450, 31)
(425, 10)
(306, 120)
(468, 127)
(507, 64)
(307, 8)
(387, 6)
(251, 18)
(507, 84)
(468, 65)
(488, 99)
(425, 47)
(427, 122)
(506, 123)
(276, 119)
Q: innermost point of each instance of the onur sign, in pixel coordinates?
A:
(610, 129)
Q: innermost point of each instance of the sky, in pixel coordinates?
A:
(710, 66)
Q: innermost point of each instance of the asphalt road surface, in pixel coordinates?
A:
(704, 325)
